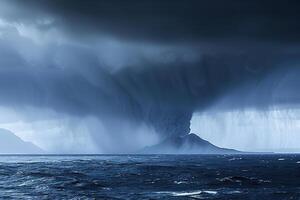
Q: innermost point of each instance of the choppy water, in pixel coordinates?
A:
(150, 177)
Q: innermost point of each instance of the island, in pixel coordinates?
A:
(187, 144)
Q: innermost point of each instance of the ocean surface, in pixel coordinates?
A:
(259, 177)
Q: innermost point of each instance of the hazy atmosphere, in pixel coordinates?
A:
(117, 76)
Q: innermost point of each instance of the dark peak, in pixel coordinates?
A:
(193, 139)
(187, 144)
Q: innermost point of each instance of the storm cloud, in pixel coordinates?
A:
(150, 63)
(164, 21)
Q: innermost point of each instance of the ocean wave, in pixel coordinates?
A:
(242, 180)
(188, 193)
(180, 182)
(166, 177)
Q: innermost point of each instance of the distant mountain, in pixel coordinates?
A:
(189, 144)
(12, 144)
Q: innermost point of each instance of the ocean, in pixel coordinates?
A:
(261, 177)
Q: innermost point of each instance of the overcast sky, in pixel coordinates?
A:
(114, 76)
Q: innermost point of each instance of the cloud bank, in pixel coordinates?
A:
(145, 65)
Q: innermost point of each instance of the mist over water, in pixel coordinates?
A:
(275, 130)
(60, 133)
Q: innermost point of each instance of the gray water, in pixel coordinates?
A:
(150, 177)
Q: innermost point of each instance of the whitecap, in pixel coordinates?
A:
(180, 182)
(191, 193)
(26, 183)
(210, 192)
(42, 188)
(234, 192)
(281, 159)
(233, 159)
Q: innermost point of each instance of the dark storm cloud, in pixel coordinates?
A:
(169, 21)
(176, 57)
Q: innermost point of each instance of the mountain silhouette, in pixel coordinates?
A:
(12, 144)
(188, 144)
